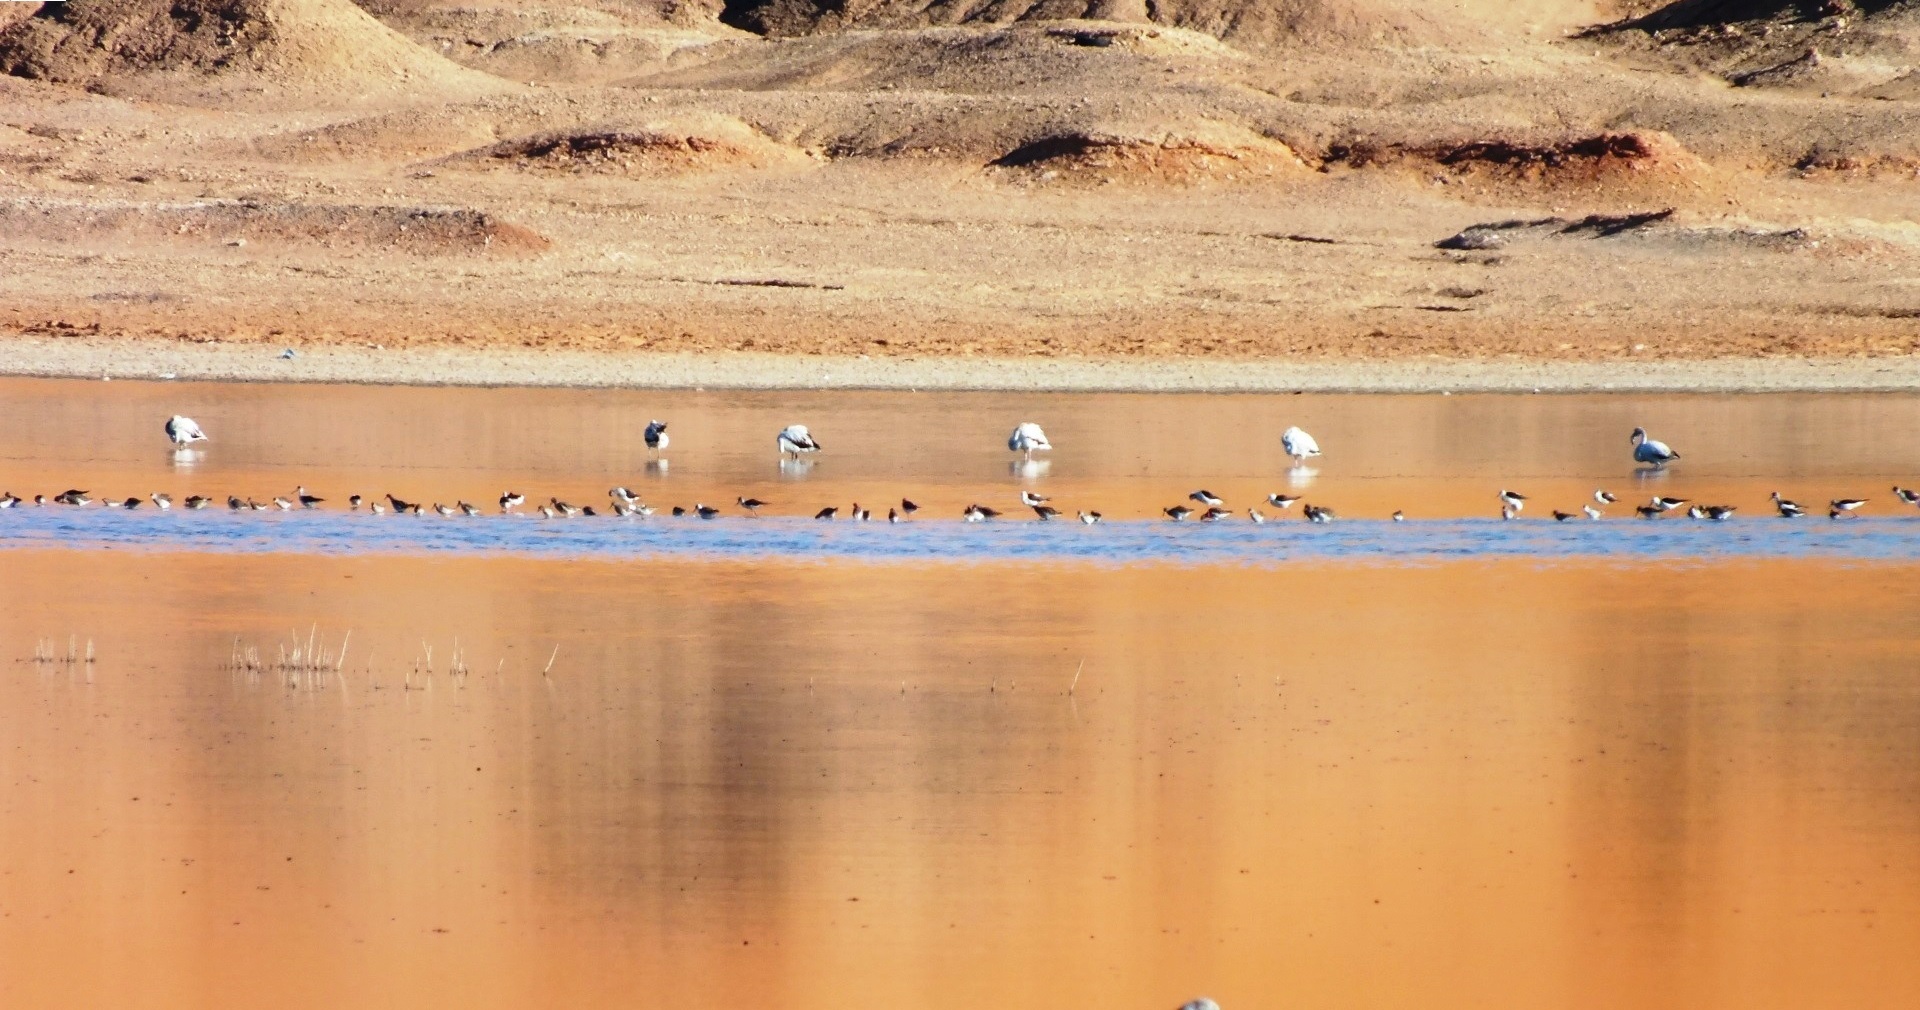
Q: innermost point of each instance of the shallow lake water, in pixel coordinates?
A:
(1447, 763)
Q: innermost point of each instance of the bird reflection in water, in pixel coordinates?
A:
(1029, 469)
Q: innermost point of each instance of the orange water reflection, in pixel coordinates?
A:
(821, 785)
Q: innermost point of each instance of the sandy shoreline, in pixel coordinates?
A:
(150, 360)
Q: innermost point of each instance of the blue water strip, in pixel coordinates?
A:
(1113, 542)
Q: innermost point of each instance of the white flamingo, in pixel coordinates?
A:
(1027, 439)
(1299, 445)
(183, 431)
(796, 441)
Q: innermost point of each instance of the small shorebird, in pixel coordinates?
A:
(182, 431)
(643, 511)
(621, 508)
(1299, 445)
(469, 509)
(587, 511)
(235, 504)
(400, 506)
(1178, 513)
(1848, 505)
(1592, 513)
(376, 508)
(306, 500)
(907, 507)
(254, 506)
(1507, 512)
(1667, 504)
(1905, 495)
(858, 514)
(1215, 514)
(656, 435)
(1029, 498)
(1254, 516)
(622, 494)
(509, 500)
(130, 503)
(1281, 501)
(72, 497)
(1399, 516)
(752, 505)
(794, 440)
(563, 508)
(1560, 517)
(1027, 439)
(1514, 500)
(1045, 512)
(705, 511)
(1647, 450)
(353, 502)
(1787, 509)
(198, 501)
(1720, 513)
(1697, 512)
(678, 511)
(827, 513)
(1207, 498)
(283, 504)
(547, 512)
(1089, 518)
(1604, 497)
(442, 509)
(983, 512)
(1649, 511)
(39, 501)
(10, 500)
(162, 502)
(893, 515)
(1318, 514)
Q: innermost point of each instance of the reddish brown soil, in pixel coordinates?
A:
(1332, 179)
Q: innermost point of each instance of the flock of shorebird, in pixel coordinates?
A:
(1028, 438)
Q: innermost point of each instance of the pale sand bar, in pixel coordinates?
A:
(132, 359)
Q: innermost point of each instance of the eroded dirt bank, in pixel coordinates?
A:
(1317, 181)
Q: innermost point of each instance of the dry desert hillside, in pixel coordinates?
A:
(1333, 178)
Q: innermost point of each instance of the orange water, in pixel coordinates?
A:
(1465, 786)
(1124, 455)
(1484, 784)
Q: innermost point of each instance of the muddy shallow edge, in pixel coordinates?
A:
(136, 359)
